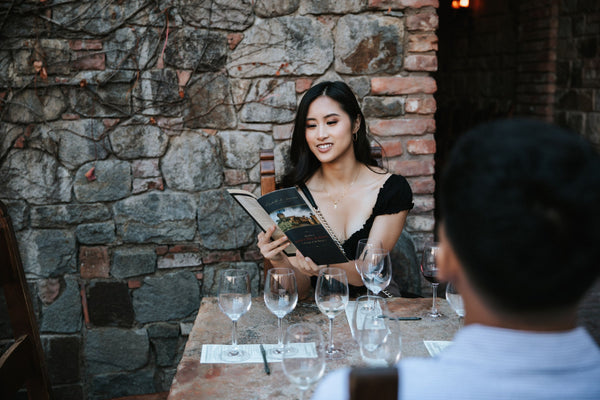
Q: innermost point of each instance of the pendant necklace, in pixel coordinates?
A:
(344, 192)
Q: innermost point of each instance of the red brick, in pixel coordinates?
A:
(422, 42)
(134, 284)
(400, 4)
(425, 21)
(403, 85)
(303, 84)
(252, 255)
(420, 105)
(69, 116)
(161, 250)
(392, 148)
(422, 185)
(412, 167)
(184, 248)
(418, 62)
(221, 256)
(405, 126)
(421, 146)
(235, 176)
(94, 262)
(151, 396)
(85, 44)
(89, 61)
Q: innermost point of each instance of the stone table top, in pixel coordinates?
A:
(249, 381)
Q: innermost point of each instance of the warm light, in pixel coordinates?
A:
(460, 4)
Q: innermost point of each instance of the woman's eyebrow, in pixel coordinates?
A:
(327, 116)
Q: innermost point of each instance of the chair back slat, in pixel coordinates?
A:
(366, 381)
(27, 351)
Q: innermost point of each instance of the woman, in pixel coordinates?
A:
(330, 154)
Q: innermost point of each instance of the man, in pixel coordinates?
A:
(520, 238)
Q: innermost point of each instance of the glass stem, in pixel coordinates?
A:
(330, 335)
(434, 287)
(280, 333)
(234, 335)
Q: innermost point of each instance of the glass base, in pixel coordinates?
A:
(232, 355)
(277, 352)
(335, 353)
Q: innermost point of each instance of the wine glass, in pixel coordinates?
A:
(429, 270)
(303, 358)
(369, 327)
(281, 296)
(363, 250)
(377, 270)
(331, 295)
(456, 302)
(234, 300)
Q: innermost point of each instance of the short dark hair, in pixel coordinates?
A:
(303, 163)
(520, 203)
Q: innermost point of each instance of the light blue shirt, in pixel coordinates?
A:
(494, 363)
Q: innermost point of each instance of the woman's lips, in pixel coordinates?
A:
(324, 147)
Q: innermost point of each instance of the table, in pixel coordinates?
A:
(249, 381)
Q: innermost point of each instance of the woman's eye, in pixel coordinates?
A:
(309, 126)
(331, 122)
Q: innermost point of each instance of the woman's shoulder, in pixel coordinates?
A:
(395, 195)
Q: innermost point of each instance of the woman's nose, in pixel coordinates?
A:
(322, 131)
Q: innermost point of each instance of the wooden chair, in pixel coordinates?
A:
(365, 382)
(23, 364)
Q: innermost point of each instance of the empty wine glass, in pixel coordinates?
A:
(303, 358)
(377, 270)
(363, 250)
(456, 302)
(331, 295)
(369, 328)
(429, 270)
(281, 296)
(234, 300)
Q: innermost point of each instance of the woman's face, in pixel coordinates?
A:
(329, 130)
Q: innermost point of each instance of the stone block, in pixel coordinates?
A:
(68, 392)
(179, 260)
(64, 314)
(35, 176)
(47, 252)
(196, 49)
(8, 132)
(222, 223)
(211, 104)
(235, 176)
(88, 61)
(167, 297)
(114, 349)
(192, 163)
(62, 358)
(120, 384)
(283, 132)
(137, 261)
(401, 4)
(283, 46)
(48, 290)
(275, 8)
(109, 304)
(39, 105)
(155, 217)
(158, 93)
(96, 233)
(219, 14)
(130, 49)
(104, 101)
(94, 262)
(270, 100)
(144, 185)
(361, 85)
(18, 213)
(241, 149)
(113, 181)
(378, 107)
(368, 44)
(138, 141)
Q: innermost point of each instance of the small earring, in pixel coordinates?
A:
(355, 136)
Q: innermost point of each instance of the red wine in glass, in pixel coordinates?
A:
(429, 270)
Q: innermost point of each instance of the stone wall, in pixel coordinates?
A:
(122, 124)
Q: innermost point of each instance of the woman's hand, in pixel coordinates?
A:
(307, 266)
(272, 250)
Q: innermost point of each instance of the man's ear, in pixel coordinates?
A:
(449, 267)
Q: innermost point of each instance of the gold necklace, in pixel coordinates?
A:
(344, 192)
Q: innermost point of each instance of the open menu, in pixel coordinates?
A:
(296, 217)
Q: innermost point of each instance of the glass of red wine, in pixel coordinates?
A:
(429, 270)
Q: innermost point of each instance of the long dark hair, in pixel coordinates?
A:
(303, 163)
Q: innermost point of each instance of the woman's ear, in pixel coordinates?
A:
(356, 125)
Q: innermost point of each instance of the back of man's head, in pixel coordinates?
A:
(520, 201)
